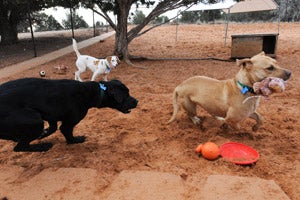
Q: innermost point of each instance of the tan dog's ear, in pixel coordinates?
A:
(260, 54)
(118, 60)
(245, 62)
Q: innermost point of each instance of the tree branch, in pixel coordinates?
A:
(106, 17)
(161, 8)
(167, 21)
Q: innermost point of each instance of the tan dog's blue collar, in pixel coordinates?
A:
(245, 88)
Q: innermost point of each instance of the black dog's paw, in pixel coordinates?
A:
(48, 131)
(33, 147)
(44, 134)
(75, 140)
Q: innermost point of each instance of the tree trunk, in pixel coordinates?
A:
(8, 28)
(121, 41)
(121, 44)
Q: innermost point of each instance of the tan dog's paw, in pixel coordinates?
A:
(255, 127)
(196, 120)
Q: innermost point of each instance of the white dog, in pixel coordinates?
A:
(97, 66)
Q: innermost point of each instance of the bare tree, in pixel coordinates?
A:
(121, 9)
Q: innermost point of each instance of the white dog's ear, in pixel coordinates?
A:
(244, 62)
(108, 58)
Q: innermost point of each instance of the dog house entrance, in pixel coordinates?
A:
(244, 46)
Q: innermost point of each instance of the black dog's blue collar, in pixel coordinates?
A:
(245, 88)
(102, 89)
(102, 86)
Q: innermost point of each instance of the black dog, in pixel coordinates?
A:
(26, 103)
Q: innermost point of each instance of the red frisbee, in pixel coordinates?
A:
(239, 153)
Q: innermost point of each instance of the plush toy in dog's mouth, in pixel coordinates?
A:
(268, 86)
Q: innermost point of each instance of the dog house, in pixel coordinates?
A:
(248, 45)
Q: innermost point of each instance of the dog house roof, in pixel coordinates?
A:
(240, 7)
(252, 6)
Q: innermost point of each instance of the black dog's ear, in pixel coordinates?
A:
(118, 96)
(118, 90)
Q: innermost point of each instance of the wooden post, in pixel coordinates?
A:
(177, 24)
(94, 24)
(72, 25)
(31, 30)
(226, 27)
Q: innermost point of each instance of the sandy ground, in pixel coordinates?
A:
(141, 140)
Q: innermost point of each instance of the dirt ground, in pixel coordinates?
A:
(142, 140)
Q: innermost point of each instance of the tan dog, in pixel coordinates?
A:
(97, 66)
(224, 98)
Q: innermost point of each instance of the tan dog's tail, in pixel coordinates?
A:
(75, 47)
(175, 107)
